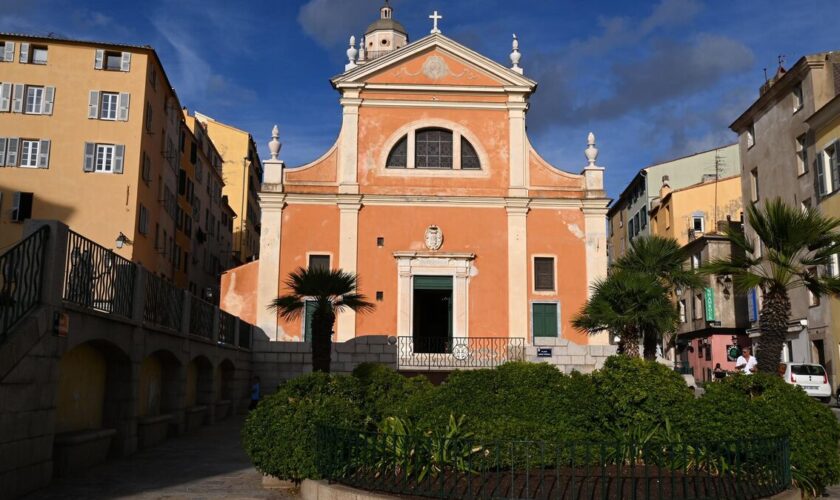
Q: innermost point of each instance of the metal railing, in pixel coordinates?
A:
(227, 328)
(244, 334)
(97, 278)
(458, 352)
(164, 302)
(683, 368)
(440, 467)
(201, 318)
(20, 278)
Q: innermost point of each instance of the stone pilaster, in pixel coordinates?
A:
(517, 222)
(348, 142)
(348, 245)
(268, 281)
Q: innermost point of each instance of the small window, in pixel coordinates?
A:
(34, 100)
(113, 61)
(147, 168)
(698, 223)
(813, 299)
(433, 148)
(630, 229)
(754, 185)
(105, 157)
(143, 222)
(833, 267)
(319, 262)
(696, 260)
(683, 318)
(39, 55)
(22, 206)
(469, 158)
(109, 102)
(751, 136)
(698, 306)
(380, 241)
(398, 156)
(544, 274)
(545, 319)
(148, 116)
(801, 156)
(29, 153)
(797, 97)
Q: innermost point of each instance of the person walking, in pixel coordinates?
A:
(255, 392)
(746, 362)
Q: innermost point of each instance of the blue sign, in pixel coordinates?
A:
(752, 304)
(543, 352)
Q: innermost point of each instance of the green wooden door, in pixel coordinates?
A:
(544, 319)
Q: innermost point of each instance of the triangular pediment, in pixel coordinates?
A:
(434, 60)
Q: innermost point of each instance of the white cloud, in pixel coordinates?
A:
(331, 22)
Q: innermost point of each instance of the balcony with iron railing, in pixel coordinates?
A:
(447, 353)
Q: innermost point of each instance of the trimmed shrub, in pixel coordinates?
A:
(384, 391)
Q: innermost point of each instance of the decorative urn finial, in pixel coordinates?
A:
(352, 52)
(361, 57)
(274, 143)
(591, 151)
(515, 56)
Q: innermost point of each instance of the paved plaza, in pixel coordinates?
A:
(209, 463)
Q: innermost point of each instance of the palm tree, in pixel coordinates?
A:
(631, 305)
(796, 242)
(332, 290)
(662, 257)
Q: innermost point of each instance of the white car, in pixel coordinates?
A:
(810, 377)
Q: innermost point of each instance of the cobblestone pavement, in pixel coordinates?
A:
(208, 463)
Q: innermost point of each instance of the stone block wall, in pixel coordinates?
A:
(568, 356)
(275, 362)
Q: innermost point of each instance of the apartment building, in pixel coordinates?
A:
(780, 160)
(89, 135)
(627, 217)
(243, 173)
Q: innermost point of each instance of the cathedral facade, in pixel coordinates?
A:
(434, 196)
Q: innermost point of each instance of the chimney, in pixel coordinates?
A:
(665, 190)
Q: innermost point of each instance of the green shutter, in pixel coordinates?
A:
(544, 319)
(307, 320)
(433, 282)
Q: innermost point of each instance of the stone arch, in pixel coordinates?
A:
(160, 387)
(200, 382)
(225, 388)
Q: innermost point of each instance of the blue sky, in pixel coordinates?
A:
(653, 79)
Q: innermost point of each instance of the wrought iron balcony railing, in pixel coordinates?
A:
(20, 279)
(441, 353)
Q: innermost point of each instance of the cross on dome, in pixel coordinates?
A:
(435, 17)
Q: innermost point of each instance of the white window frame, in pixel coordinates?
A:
(32, 154)
(702, 219)
(798, 97)
(113, 100)
(105, 149)
(37, 103)
(751, 136)
(682, 311)
(35, 49)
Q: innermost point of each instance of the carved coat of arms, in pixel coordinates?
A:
(434, 238)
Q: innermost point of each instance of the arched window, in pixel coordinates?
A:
(398, 156)
(433, 148)
(469, 158)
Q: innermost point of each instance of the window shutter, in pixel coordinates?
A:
(119, 156)
(5, 96)
(544, 320)
(122, 106)
(819, 179)
(9, 52)
(17, 98)
(44, 154)
(544, 273)
(12, 151)
(93, 104)
(2, 151)
(835, 169)
(90, 153)
(24, 52)
(98, 60)
(49, 97)
(125, 62)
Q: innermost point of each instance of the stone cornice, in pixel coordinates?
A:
(445, 201)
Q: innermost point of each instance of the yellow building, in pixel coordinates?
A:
(825, 125)
(687, 213)
(89, 135)
(242, 172)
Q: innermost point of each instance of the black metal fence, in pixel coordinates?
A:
(227, 328)
(458, 352)
(441, 467)
(20, 278)
(97, 278)
(164, 302)
(201, 318)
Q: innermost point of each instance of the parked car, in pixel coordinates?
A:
(810, 377)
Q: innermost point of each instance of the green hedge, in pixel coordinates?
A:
(528, 401)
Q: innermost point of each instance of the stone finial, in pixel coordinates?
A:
(352, 52)
(361, 58)
(274, 143)
(435, 17)
(591, 151)
(515, 56)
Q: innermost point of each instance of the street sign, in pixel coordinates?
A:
(543, 352)
(709, 296)
(752, 305)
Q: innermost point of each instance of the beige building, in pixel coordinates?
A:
(242, 171)
(778, 159)
(89, 135)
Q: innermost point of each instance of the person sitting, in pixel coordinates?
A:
(746, 363)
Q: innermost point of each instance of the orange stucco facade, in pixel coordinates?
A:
(480, 220)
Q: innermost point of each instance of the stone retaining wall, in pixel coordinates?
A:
(568, 356)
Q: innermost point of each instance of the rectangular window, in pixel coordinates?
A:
(148, 116)
(754, 185)
(147, 168)
(813, 299)
(113, 61)
(34, 100)
(319, 262)
(801, 156)
(698, 306)
(544, 274)
(29, 153)
(630, 230)
(695, 261)
(833, 267)
(22, 206)
(143, 222)
(643, 217)
(38, 55)
(798, 101)
(751, 136)
(832, 170)
(105, 157)
(108, 105)
(698, 223)
(544, 319)
(683, 318)
(806, 204)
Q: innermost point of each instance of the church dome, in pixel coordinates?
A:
(386, 24)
